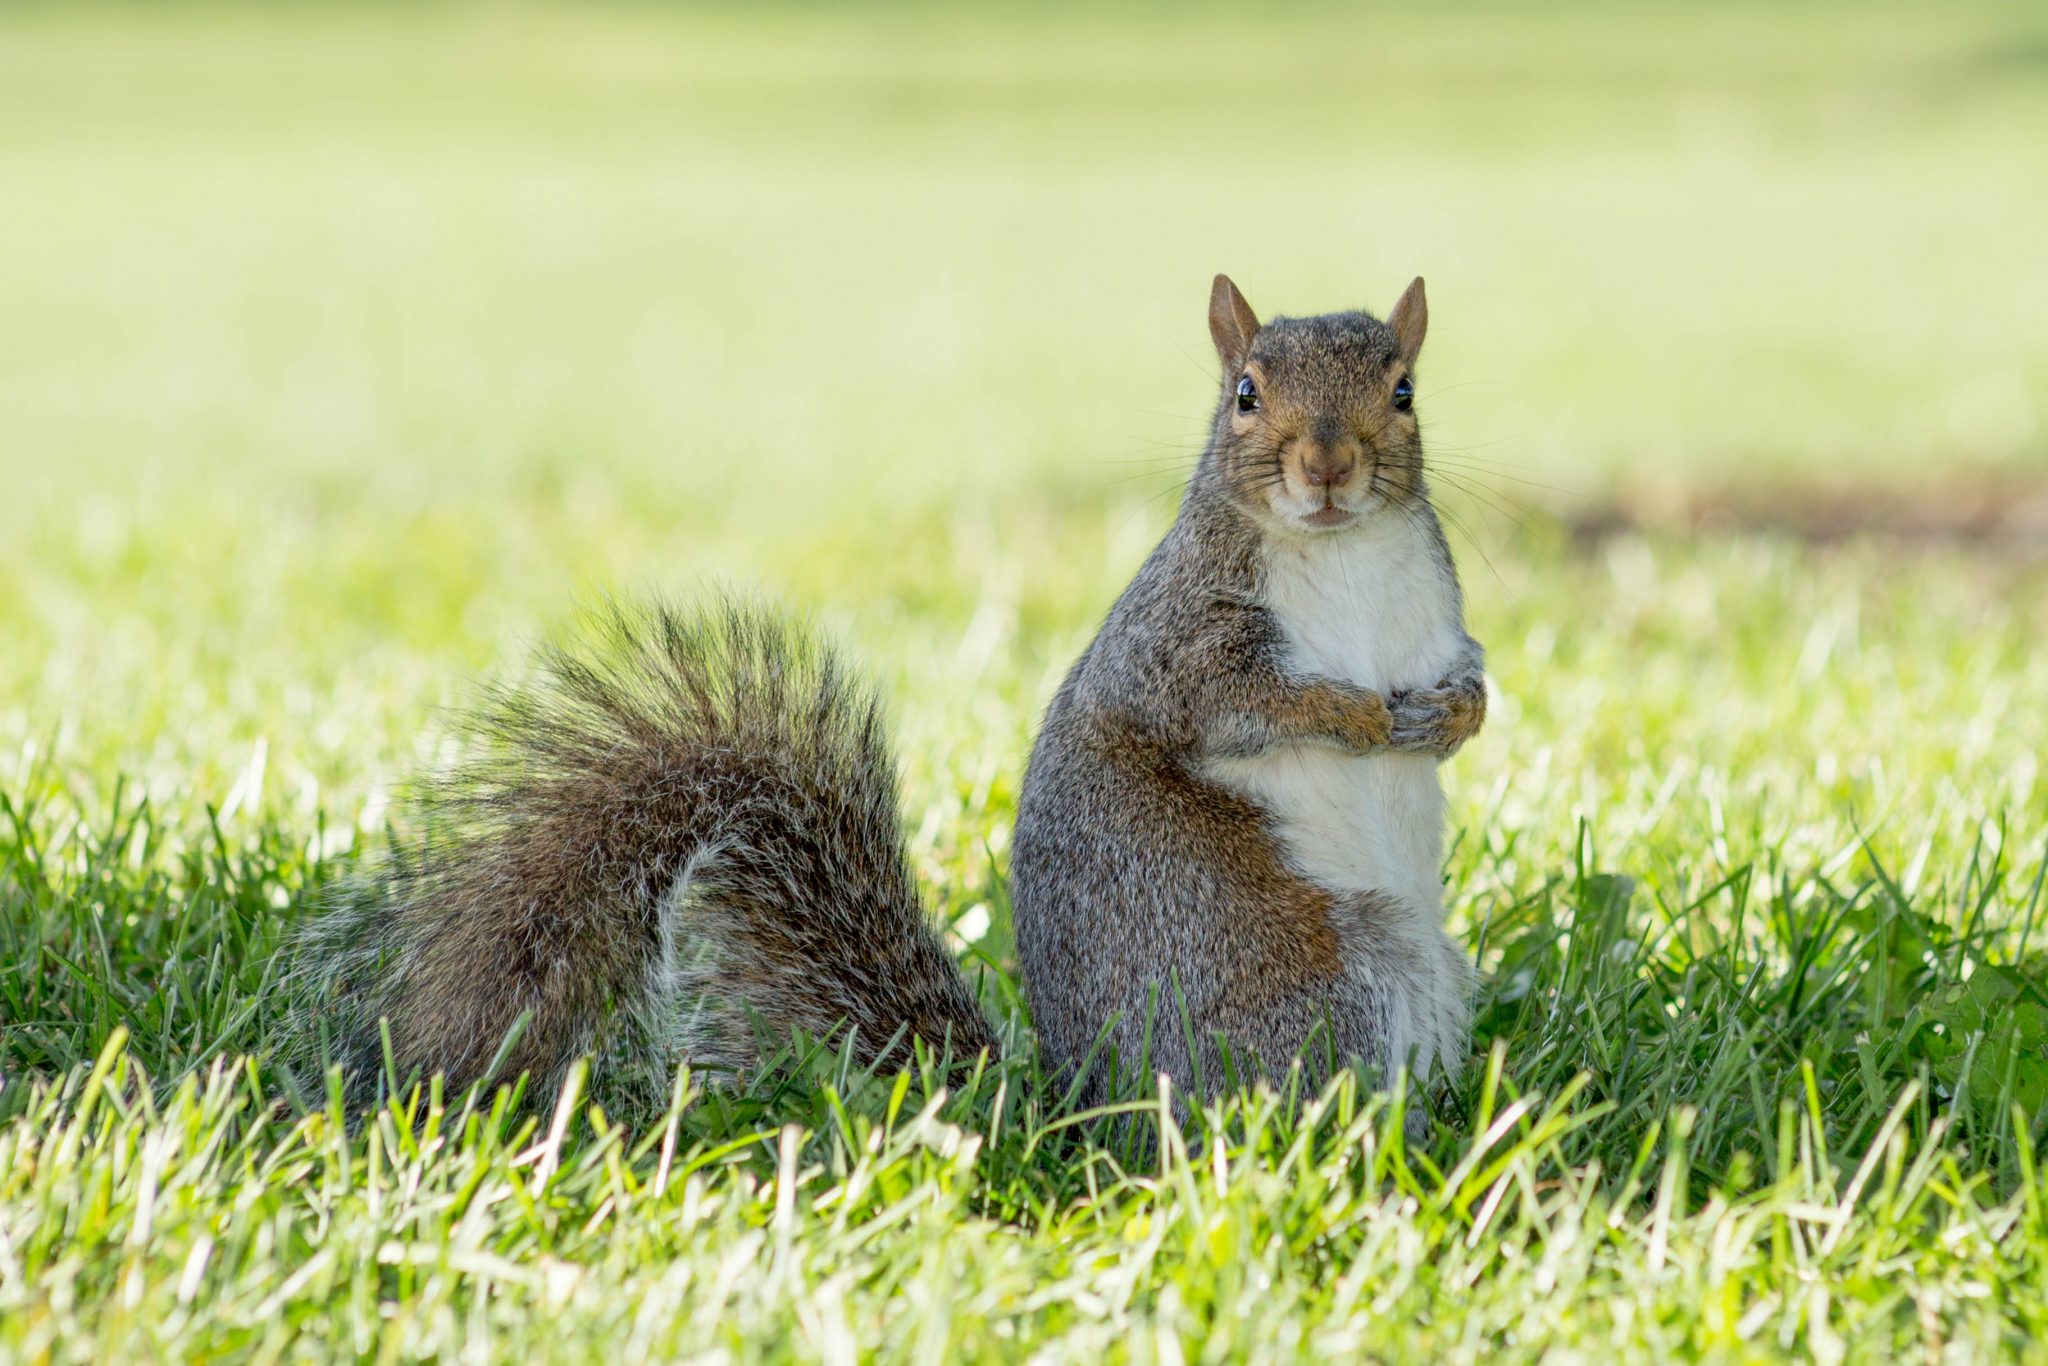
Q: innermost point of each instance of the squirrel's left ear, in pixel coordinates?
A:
(1410, 321)
(1232, 325)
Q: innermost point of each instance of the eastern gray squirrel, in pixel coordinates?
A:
(683, 829)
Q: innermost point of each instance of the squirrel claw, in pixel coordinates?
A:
(1438, 720)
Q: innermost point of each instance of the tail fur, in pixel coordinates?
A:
(685, 826)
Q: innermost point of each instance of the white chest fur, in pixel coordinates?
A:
(1375, 607)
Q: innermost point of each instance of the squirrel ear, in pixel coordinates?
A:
(1410, 321)
(1232, 324)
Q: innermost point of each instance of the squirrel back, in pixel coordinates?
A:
(682, 833)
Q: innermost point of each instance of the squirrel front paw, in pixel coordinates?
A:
(1367, 722)
(1439, 720)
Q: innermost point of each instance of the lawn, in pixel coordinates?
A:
(345, 350)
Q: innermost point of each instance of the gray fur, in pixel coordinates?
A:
(1143, 888)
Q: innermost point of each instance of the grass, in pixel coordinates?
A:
(345, 351)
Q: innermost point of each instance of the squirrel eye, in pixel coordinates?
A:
(1404, 394)
(1247, 395)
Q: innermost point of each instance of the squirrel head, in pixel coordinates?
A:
(1316, 429)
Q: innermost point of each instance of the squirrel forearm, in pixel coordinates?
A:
(1278, 710)
(1242, 700)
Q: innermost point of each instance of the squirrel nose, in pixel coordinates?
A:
(1322, 469)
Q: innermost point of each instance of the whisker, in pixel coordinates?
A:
(1437, 464)
(1444, 514)
(1520, 517)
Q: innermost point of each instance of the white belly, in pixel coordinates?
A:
(1375, 608)
(1372, 824)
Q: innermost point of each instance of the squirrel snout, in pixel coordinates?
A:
(1324, 472)
(1326, 466)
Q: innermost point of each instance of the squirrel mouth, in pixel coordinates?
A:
(1330, 516)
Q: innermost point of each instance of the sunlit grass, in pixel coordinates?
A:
(342, 355)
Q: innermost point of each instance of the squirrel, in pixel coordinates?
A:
(680, 835)
(1230, 834)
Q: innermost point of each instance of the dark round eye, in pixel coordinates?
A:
(1404, 394)
(1247, 395)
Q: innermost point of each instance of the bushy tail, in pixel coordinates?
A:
(684, 826)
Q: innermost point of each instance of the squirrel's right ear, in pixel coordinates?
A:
(1410, 320)
(1232, 324)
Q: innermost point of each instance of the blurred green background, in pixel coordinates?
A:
(344, 348)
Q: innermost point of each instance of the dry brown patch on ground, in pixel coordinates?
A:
(2007, 515)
